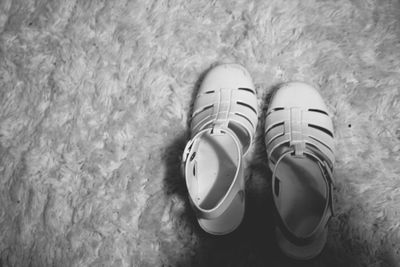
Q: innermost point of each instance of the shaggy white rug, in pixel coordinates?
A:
(94, 102)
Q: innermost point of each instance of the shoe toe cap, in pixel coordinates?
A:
(226, 76)
(297, 94)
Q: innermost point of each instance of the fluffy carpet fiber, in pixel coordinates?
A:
(95, 98)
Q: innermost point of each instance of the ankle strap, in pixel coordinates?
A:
(235, 188)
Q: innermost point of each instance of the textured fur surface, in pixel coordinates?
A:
(94, 102)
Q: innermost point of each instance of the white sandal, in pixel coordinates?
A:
(223, 125)
(300, 148)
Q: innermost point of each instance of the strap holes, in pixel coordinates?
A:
(193, 156)
(276, 186)
(194, 170)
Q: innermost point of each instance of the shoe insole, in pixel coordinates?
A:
(302, 194)
(215, 168)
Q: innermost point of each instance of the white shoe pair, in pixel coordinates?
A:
(300, 148)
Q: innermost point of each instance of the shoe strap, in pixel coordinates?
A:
(299, 129)
(328, 210)
(235, 188)
(222, 106)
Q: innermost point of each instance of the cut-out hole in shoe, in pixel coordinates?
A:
(247, 105)
(318, 110)
(202, 110)
(247, 89)
(322, 143)
(278, 151)
(245, 117)
(210, 92)
(273, 127)
(274, 138)
(317, 151)
(193, 156)
(276, 187)
(321, 129)
(275, 109)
